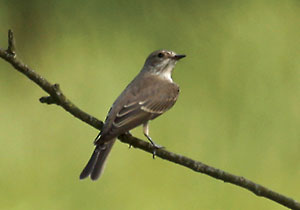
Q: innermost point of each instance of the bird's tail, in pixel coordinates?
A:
(95, 166)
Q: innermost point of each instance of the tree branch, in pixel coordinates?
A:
(57, 97)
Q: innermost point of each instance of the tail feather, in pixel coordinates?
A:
(90, 165)
(95, 166)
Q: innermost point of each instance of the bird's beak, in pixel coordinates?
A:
(178, 57)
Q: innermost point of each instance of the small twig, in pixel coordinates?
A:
(11, 44)
(48, 100)
(57, 97)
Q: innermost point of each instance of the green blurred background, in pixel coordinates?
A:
(239, 108)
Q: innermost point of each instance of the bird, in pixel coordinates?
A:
(151, 93)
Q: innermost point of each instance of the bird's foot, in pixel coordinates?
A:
(155, 148)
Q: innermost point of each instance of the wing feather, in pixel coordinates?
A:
(158, 107)
(127, 109)
(134, 116)
(139, 110)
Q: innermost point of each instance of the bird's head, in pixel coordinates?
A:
(162, 62)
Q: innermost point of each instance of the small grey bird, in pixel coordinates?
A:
(151, 93)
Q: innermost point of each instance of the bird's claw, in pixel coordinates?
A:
(155, 148)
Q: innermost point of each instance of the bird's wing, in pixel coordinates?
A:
(135, 112)
(136, 106)
(139, 111)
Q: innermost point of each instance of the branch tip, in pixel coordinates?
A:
(56, 86)
(47, 100)
(11, 43)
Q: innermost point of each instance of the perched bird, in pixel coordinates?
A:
(151, 93)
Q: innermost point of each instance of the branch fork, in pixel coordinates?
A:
(56, 96)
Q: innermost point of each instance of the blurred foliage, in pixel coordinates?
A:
(238, 109)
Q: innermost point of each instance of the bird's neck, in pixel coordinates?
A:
(166, 75)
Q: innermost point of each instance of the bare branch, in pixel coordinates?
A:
(57, 97)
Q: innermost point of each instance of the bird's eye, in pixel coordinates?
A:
(160, 55)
